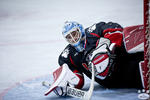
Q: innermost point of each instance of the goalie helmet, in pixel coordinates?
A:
(74, 34)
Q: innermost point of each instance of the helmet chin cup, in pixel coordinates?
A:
(80, 45)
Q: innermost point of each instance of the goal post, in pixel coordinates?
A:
(147, 43)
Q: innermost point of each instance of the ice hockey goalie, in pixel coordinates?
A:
(115, 52)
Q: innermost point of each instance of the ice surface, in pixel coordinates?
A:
(33, 90)
(30, 31)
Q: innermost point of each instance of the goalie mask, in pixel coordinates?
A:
(74, 35)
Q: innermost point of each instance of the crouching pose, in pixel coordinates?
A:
(102, 44)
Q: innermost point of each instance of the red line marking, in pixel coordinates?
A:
(5, 91)
(29, 42)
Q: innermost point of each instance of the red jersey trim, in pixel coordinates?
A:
(112, 30)
(85, 66)
(94, 34)
(72, 61)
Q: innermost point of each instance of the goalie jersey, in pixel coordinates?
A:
(117, 69)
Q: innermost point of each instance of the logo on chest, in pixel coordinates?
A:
(65, 53)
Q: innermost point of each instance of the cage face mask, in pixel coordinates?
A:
(74, 35)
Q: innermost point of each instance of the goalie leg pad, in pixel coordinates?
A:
(63, 76)
(80, 76)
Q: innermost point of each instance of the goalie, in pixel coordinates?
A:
(102, 44)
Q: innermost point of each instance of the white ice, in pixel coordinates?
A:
(30, 31)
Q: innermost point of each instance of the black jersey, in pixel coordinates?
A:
(124, 73)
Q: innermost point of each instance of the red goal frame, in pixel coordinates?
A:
(147, 44)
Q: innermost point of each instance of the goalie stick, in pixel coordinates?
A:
(78, 93)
